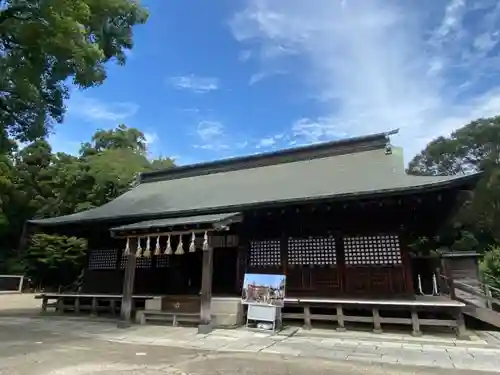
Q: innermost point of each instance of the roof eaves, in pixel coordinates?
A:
(447, 183)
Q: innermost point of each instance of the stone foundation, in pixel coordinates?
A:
(226, 311)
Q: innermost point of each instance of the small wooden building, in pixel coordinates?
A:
(336, 218)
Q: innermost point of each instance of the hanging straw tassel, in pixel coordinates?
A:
(205, 241)
(138, 253)
(157, 248)
(168, 249)
(147, 252)
(126, 252)
(192, 245)
(180, 247)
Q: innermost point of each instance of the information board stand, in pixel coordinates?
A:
(258, 312)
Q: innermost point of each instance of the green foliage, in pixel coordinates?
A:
(490, 267)
(55, 260)
(475, 147)
(35, 182)
(46, 43)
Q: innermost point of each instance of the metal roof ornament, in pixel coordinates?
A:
(180, 247)
(168, 249)
(147, 252)
(205, 241)
(388, 149)
(126, 252)
(192, 245)
(138, 253)
(157, 247)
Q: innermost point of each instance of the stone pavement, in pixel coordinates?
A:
(437, 351)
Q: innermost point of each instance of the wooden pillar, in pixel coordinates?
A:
(77, 305)
(340, 319)
(377, 327)
(415, 323)
(461, 329)
(128, 287)
(60, 305)
(307, 317)
(93, 307)
(206, 291)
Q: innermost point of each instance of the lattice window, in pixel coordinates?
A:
(266, 253)
(312, 251)
(102, 259)
(372, 250)
(163, 261)
(141, 262)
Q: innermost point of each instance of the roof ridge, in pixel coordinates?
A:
(323, 149)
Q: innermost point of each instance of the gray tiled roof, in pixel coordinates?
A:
(162, 223)
(361, 173)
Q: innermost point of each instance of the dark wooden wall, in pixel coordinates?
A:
(406, 217)
(164, 274)
(389, 225)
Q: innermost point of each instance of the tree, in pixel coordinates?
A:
(490, 267)
(121, 138)
(54, 260)
(44, 44)
(35, 182)
(475, 147)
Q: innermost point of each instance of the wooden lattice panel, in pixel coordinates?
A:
(318, 251)
(266, 253)
(141, 262)
(102, 259)
(382, 250)
(163, 261)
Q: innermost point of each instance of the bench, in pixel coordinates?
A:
(412, 307)
(167, 316)
(79, 302)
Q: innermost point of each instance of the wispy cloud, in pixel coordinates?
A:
(211, 135)
(269, 142)
(199, 85)
(151, 138)
(94, 109)
(425, 67)
(257, 77)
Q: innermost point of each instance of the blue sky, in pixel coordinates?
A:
(214, 79)
(263, 279)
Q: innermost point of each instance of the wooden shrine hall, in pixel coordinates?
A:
(336, 218)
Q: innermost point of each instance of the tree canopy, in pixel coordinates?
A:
(46, 48)
(472, 148)
(47, 44)
(36, 182)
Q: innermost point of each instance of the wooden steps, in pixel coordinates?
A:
(146, 316)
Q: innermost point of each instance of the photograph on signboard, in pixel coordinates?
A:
(264, 289)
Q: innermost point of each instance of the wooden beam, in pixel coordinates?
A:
(206, 291)
(128, 287)
(164, 234)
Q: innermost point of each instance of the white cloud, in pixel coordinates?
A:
(245, 55)
(269, 142)
(199, 85)
(151, 138)
(257, 77)
(212, 136)
(94, 109)
(266, 142)
(379, 65)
